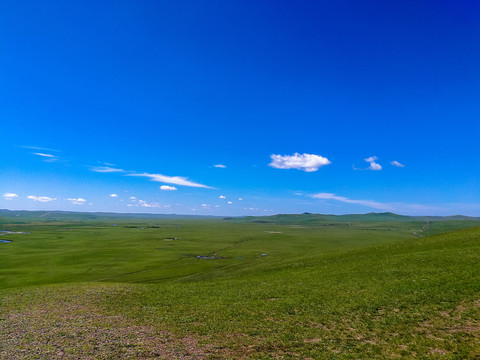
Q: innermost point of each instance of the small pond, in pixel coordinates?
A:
(3, 232)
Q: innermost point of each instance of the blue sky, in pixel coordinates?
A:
(306, 104)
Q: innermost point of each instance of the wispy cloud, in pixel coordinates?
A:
(47, 157)
(113, 195)
(77, 201)
(373, 164)
(176, 180)
(168, 188)
(37, 148)
(106, 169)
(9, 196)
(219, 166)
(305, 162)
(40, 198)
(222, 197)
(397, 207)
(229, 203)
(369, 203)
(397, 164)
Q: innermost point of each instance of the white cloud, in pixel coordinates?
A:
(176, 180)
(143, 203)
(373, 164)
(113, 195)
(9, 196)
(219, 166)
(133, 198)
(222, 197)
(41, 198)
(229, 202)
(305, 162)
(205, 205)
(397, 164)
(77, 201)
(240, 199)
(106, 169)
(167, 188)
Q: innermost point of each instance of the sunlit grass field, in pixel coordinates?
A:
(260, 288)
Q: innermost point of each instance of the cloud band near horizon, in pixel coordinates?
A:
(391, 207)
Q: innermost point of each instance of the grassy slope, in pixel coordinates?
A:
(369, 290)
(417, 297)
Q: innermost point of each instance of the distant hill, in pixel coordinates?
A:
(22, 216)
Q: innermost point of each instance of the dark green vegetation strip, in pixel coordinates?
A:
(369, 289)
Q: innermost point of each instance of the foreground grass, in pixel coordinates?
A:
(408, 297)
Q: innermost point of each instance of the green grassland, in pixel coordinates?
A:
(106, 286)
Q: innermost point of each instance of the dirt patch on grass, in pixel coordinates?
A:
(438, 352)
(314, 340)
(81, 330)
(462, 319)
(84, 333)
